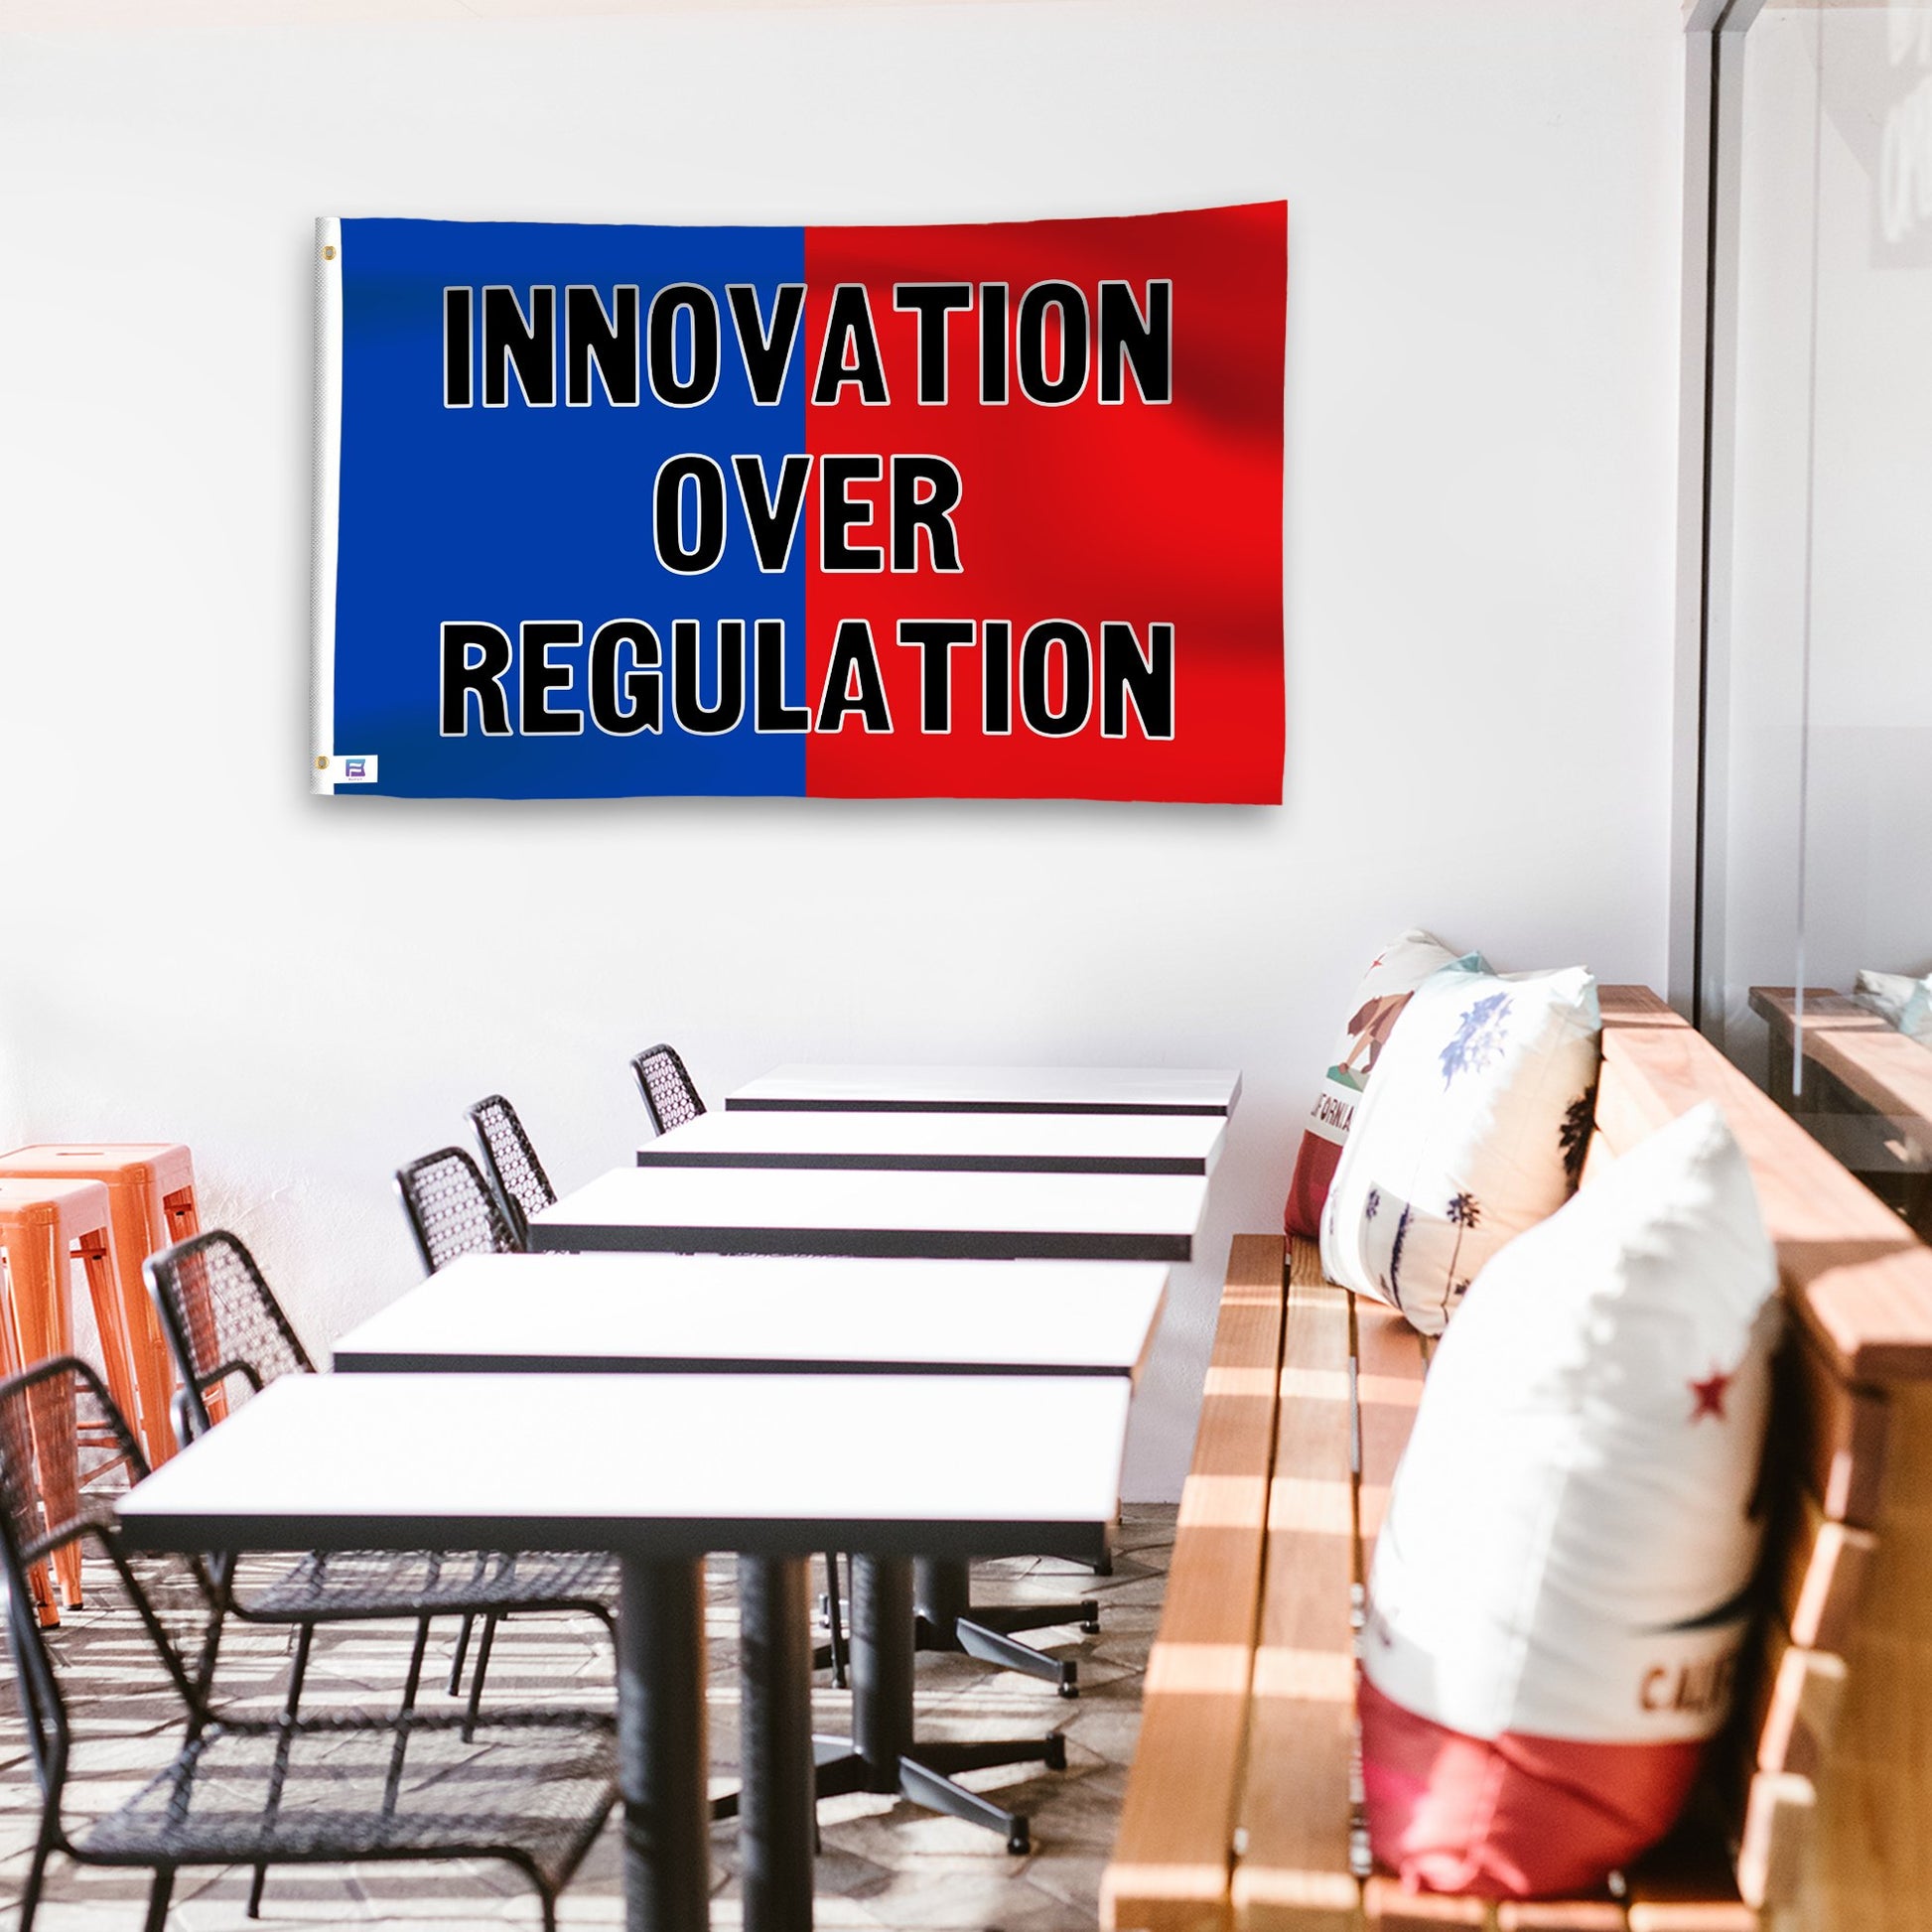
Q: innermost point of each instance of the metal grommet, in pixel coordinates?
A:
(328, 253)
(322, 764)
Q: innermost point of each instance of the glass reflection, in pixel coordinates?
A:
(1829, 782)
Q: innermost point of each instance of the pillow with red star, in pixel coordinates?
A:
(1563, 1582)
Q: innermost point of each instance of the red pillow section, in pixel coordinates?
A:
(1513, 1816)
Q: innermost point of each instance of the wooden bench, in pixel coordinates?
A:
(1866, 1091)
(1242, 1808)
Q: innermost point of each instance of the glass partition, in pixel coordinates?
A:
(1819, 726)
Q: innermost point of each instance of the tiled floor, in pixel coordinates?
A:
(885, 1864)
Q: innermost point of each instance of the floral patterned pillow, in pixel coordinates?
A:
(1474, 1129)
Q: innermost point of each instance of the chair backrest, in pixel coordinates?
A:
(59, 1431)
(221, 1320)
(451, 1209)
(512, 1162)
(670, 1097)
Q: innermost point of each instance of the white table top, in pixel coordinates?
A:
(1188, 1144)
(985, 1216)
(764, 1314)
(672, 1464)
(992, 1089)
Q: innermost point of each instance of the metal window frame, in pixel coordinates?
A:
(1713, 72)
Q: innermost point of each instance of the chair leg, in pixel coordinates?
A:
(39, 1273)
(462, 1651)
(304, 1639)
(133, 1237)
(483, 1644)
(299, 1672)
(834, 1621)
(163, 1890)
(415, 1677)
(110, 1320)
(30, 1897)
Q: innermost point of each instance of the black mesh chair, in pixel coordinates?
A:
(531, 1788)
(670, 1095)
(670, 1099)
(452, 1212)
(521, 1184)
(227, 1331)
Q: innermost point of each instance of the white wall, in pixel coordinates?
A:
(1480, 455)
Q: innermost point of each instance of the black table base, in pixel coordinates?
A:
(786, 1768)
(887, 1753)
(777, 1834)
(661, 1746)
(949, 1619)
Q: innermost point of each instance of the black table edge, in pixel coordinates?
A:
(392, 1361)
(756, 1104)
(619, 1535)
(883, 1244)
(1193, 1166)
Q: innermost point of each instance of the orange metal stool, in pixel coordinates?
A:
(41, 1223)
(151, 1199)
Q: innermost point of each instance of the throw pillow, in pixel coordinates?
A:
(1562, 1584)
(1393, 975)
(1916, 1020)
(1475, 1128)
(1886, 994)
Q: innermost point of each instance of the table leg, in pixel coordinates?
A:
(661, 1756)
(949, 1619)
(892, 1756)
(885, 1753)
(776, 1822)
(881, 1666)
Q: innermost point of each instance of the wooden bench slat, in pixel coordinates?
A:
(1386, 1905)
(1700, 1906)
(1686, 1885)
(1874, 1308)
(1560, 1915)
(1796, 1693)
(1664, 1072)
(1173, 1852)
(1824, 1567)
(1637, 1005)
(1295, 1809)
(1837, 1430)
(1390, 1363)
(1855, 1274)
(1780, 1821)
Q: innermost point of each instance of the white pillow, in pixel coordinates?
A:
(1886, 994)
(1474, 1129)
(1916, 1020)
(1563, 1580)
